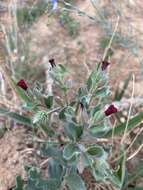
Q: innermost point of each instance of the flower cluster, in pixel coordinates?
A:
(109, 111)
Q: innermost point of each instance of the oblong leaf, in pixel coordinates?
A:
(15, 116)
(70, 150)
(99, 131)
(73, 131)
(19, 183)
(55, 170)
(75, 182)
(48, 101)
(95, 150)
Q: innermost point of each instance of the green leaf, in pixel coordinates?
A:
(122, 168)
(34, 173)
(15, 116)
(48, 101)
(62, 113)
(48, 130)
(99, 130)
(89, 83)
(94, 110)
(73, 131)
(39, 117)
(58, 75)
(97, 116)
(119, 176)
(87, 160)
(29, 106)
(70, 150)
(62, 68)
(133, 122)
(75, 182)
(48, 184)
(92, 79)
(36, 182)
(53, 152)
(100, 170)
(55, 170)
(82, 92)
(66, 113)
(95, 150)
(19, 184)
(33, 179)
(103, 92)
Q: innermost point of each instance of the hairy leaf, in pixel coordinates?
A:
(48, 101)
(75, 182)
(69, 151)
(19, 184)
(15, 116)
(73, 131)
(95, 150)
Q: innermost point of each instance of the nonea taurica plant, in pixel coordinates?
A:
(74, 126)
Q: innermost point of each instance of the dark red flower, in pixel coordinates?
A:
(104, 65)
(110, 110)
(52, 62)
(81, 106)
(22, 84)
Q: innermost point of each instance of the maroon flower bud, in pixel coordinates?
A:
(110, 110)
(22, 84)
(81, 106)
(104, 65)
(52, 62)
